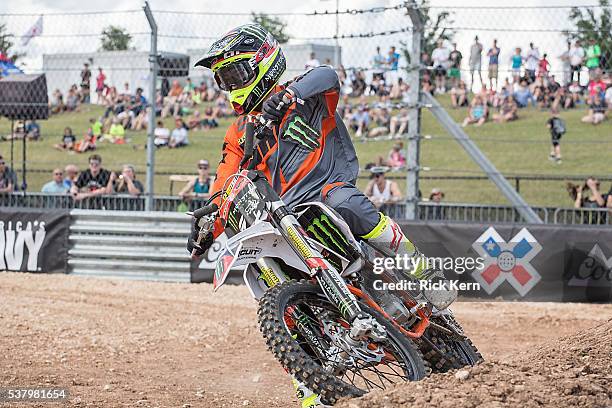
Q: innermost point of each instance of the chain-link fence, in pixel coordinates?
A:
(95, 63)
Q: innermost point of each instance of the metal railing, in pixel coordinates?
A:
(426, 211)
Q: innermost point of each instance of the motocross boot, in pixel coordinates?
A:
(388, 238)
(307, 398)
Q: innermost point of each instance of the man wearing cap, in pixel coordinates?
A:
(380, 190)
(200, 186)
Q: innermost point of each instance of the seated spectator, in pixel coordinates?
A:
(459, 95)
(179, 135)
(381, 191)
(596, 87)
(396, 158)
(87, 144)
(116, 133)
(209, 119)
(477, 113)
(399, 123)
(222, 107)
(32, 130)
(170, 101)
(523, 95)
(8, 179)
(359, 121)
(56, 186)
(72, 173)
(200, 186)
(507, 111)
(72, 99)
(162, 135)
(127, 183)
(93, 181)
(608, 97)
(194, 122)
(597, 111)
(57, 102)
(96, 127)
(398, 89)
(380, 118)
(68, 140)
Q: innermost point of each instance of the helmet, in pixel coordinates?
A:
(248, 63)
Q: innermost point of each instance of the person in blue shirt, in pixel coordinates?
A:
(32, 130)
(56, 186)
(517, 63)
(392, 66)
(523, 95)
(493, 65)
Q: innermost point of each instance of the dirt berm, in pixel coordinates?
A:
(573, 371)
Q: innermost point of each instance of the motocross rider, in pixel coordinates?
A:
(308, 154)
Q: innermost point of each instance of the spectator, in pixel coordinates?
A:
(93, 181)
(100, 85)
(587, 195)
(596, 87)
(523, 95)
(96, 128)
(608, 97)
(68, 140)
(399, 123)
(32, 131)
(116, 133)
(475, 61)
(593, 54)
(381, 191)
(162, 135)
(360, 121)
(381, 118)
(477, 112)
(72, 99)
(557, 128)
(200, 186)
(194, 121)
(170, 101)
(72, 173)
(516, 64)
(8, 179)
(455, 65)
(396, 158)
(313, 62)
(440, 57)
(436, 196)
(85, 83)
(459, 95)
(179, 135)
(87, 144)
(127, 183)
(55, 186)
(543, 66)
(209, 120)
(507, 111)
(566, 65)
(575, 94)
(57, 102)
(392, 65)
(576, 58)
(398, 89)
(493, 55)
(189, 86)
(378, 65)
(597, 111)
(531, 62)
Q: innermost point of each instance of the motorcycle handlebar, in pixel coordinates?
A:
(208, 209)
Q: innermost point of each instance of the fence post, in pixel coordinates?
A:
(152, 98)
(414, 116)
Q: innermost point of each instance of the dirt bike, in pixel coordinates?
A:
(318, 311)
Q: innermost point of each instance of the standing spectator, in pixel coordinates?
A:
(587, 195)
(68, 140)
(313, 62)
(100, 85)
(381, 191)
(475, 61)
(543, 67)
(597, 111)
(72, 173)
(455, 66)
(477, 112)
(576, 56)
(516, 64)
(378, 65)
(93, 181)
(493, 55)
(557, 128)
(200, 186)
(8, 179)
(436, 196)
(55, 186)
(85, 85)
(127, 183)
(396, 158)
(392, 65)
(440, 57)
(593, 54)
(459, 95)
(531, 62)
(179, 135)
(162, 135)
(566, 65)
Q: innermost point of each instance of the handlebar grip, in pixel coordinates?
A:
(208, 209)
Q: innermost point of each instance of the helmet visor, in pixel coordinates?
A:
(234, 76)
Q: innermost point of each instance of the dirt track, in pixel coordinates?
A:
(122, 343)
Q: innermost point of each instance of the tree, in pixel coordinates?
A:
(115, 39)
(274, 25)
(436, 28)
(6, 43)
(590, 26)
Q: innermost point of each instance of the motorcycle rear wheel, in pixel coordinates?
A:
(304, 346)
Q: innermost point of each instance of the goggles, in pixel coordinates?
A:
(234, 76)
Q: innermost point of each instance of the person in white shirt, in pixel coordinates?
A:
(313, 62)
(567, 67)
(576, 59)
(531, 62)
(178, 138)
(381, 191)
(162, 135)
(440, 57)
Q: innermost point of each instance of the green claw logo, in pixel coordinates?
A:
(299, 131)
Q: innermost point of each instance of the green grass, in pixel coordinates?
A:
(526, 154)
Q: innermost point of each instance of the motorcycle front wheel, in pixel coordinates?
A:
(307, 334)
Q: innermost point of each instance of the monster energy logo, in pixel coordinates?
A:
(299, 131)
(324, 231)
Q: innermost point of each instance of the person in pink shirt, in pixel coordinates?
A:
(543, 67)
(396, 158)
(100, 85)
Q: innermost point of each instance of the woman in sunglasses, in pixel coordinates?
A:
(199, 186)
